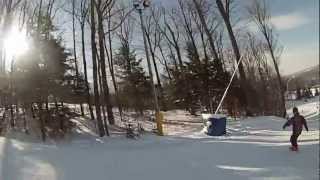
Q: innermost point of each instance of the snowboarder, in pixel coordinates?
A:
(297, 121)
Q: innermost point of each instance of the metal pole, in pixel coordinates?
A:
(156, 105)
(226, 91)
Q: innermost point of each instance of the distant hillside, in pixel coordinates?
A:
(306, 78)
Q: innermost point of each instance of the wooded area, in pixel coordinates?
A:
(193, 49)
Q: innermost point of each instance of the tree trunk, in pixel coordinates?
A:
(32, 111)
(17, 110)
(188, 29)
(61, 122)
(84, 60)
(282, 103)
(233, 40)
(75, 51)
(236, 51)
(103, 103)
(74, 40)
(103, 67)
(111, 68)
(206, 98)
(173, 57)
(56, 105)
(175, 45)
(203, 41)
(47, 106)
(153, 58)
(81, 109)
(25, 125)
(12, 123)
(264, 89)
(206, 29)
(165, 63)
(95, 78)
(48, 112)
(42, 123)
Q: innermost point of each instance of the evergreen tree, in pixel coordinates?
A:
(203, 81)
(135, 87)
(44, 74)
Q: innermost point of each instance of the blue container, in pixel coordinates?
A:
(217, 125)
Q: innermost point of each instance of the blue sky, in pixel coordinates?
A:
(297, 26)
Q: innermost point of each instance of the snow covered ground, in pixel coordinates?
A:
(255, 149)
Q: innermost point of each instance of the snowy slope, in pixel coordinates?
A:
(255, 149)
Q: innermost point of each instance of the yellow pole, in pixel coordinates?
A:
(159, 121)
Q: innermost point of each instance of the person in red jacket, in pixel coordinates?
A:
(297, 121)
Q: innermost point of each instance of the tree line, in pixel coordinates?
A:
(193, 48)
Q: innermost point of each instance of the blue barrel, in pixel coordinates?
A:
(217, 125)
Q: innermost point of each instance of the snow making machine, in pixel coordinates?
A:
(215, 125)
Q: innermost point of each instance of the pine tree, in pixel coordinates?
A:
(44, 74)
(202, 81)
(135, 87)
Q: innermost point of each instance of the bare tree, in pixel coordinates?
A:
(200, 31)
(105, 12)
(125, 34)
(164, 58)
(109, 52)
(224, 9)
(163, 40)
(199, 7)
(170, 30)
(186, 18)
(103, 105)
(152, 36)
(220, 47)
(261, 16)
(74, 46)
(256, 49)
(95, 70)
(82, 18)
(101, 6)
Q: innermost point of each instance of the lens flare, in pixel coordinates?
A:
(16, 43)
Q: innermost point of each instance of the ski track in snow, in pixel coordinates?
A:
(255, 149)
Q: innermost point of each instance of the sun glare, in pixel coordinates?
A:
(15, 43)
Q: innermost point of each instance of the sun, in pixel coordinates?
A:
(16, 43)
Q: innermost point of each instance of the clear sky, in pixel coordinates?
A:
(297, 24)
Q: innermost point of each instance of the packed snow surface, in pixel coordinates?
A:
(254, 148)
